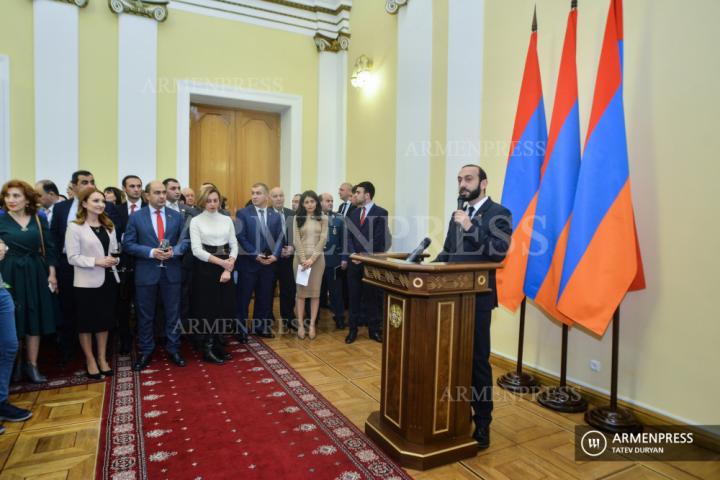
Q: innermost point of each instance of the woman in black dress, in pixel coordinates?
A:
(215, 248)
(90, 243)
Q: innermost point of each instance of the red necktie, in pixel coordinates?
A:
(362, 217)
(160, 226)
(132, 208)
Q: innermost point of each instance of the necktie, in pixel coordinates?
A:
(160, 226)
(470, 212)
(262, 217)
(132, 208)
(362, 217)
(342, 209)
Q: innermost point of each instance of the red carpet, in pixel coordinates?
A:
(253, 418)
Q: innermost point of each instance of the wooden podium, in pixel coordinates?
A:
(429, 320)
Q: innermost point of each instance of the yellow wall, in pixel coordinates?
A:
(16, 41)
(669, 332)
(236, 54)
(371, 112)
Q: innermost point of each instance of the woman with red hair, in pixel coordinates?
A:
(28, 268)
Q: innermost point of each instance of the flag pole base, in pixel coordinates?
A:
(618, 420)
(518, 383)
(563, 399)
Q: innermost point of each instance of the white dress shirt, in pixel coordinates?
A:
(137, 204)
(476, 206)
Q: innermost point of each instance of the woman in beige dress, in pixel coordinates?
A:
(310, 228)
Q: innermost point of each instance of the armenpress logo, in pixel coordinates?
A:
(593, 443)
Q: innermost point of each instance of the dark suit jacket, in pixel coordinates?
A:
(351, 207)
(58, 227)
(140, 238)
(371, 237)
(487, 240)
(123, 211)
(251, 240)
(335, 240)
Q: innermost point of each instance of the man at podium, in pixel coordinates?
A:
(479, 231)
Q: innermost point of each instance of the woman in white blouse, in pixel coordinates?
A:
(215, 248)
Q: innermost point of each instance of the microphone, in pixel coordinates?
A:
(461, 203)
(415, 255)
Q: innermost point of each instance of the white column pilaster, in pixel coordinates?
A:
(137, 96)
(414, 108)
(4, 118)
(56, 58)
(464, 101)
(332, 124)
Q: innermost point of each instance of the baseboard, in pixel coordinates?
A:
(646, 416)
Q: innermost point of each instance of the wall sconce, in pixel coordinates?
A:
(362, 72)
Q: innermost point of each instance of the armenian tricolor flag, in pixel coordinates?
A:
(602, 261)
(522, 176)
(557, 187)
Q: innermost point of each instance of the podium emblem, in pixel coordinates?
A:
(396, 314)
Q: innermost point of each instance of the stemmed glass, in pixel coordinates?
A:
(164, 246)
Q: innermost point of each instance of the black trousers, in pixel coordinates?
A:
(67, 335)
(334, 287)
(285, 276)
(259, 282)
(482, 383)
(126, 297)
(366, 301)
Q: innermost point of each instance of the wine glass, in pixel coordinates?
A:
(116, 252)
(164, 246)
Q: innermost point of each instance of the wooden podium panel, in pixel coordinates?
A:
(429, 320)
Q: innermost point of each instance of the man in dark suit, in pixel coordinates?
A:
(284, 275)
(260, 238)
(334, 264)
(345, 205)
(156, 271)
(479, 233)
(174, 192)
(132, 186)
(367, 232)
(63, 213)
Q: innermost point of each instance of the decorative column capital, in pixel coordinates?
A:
(77, 3)
(155, 9)
(393, 6)
(329, 44)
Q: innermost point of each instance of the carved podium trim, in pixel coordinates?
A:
(440, 394)
(391, 338)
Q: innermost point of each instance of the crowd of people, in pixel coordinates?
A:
(81, 267)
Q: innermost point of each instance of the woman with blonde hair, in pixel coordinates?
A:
(28, 268)
(92, 248)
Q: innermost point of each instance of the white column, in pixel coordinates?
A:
(414, 98)
(4, 118)
(137, 97)
(332, 131)
(56, 55)
(464, 102)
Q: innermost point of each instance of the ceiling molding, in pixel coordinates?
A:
(328, 18)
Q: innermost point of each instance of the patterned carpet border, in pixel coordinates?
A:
(366, 456)
(121, 454)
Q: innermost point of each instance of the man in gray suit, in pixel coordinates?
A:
(284, 267)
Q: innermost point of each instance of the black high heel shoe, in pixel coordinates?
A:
(107, 373)
(94, 376)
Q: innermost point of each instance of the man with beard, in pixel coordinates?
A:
(479, 233)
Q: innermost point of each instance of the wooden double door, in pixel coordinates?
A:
(234, 149)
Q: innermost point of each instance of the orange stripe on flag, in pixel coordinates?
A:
(606, 270)
(547, 295)
(511, 278)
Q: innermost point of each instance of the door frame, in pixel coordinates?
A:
(287, 105)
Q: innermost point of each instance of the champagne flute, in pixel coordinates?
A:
(164, 246)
